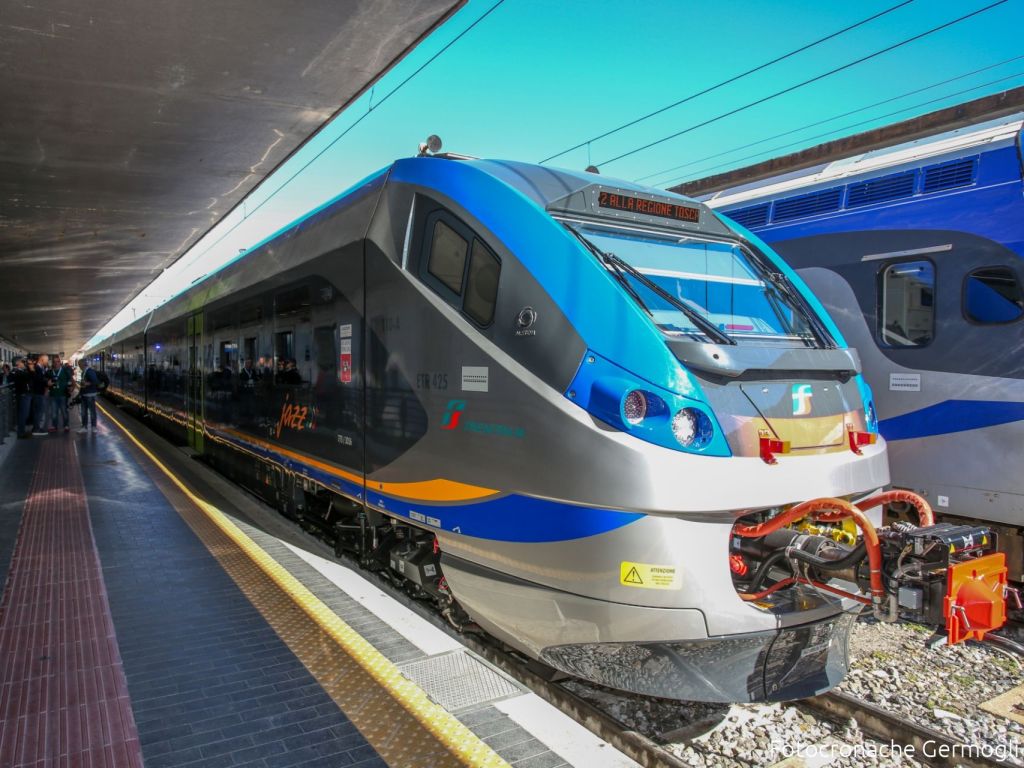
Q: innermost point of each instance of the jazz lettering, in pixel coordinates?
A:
(293, 416)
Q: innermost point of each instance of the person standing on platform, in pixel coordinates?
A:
(39, 383)
(22, 395)
(89, 389)
(59, 396)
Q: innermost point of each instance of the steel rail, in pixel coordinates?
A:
(930, 745)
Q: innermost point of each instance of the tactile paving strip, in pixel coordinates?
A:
(63, 694)
(459, 680)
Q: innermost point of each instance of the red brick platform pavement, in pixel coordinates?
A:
(64, 699)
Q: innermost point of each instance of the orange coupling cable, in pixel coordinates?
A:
(748, 596)
(831, 508)
(925, 516)
(836, 591)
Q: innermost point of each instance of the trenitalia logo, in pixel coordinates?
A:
(451, 417)
(452, 420)
(802, 394)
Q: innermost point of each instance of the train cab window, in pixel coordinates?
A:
(460, 267)
(447, 260)
(992, 295)
(907, 316)
(482, 284)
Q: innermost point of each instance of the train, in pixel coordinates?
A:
(591, 419)
(916, 248)
(10, 351)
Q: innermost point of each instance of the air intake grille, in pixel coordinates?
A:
(823, 201)
(750, 217)
(956, 173)
(879, 190)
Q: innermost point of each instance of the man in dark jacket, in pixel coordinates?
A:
(61, 376)
(19, 375)
(89, 390)
(39, 384)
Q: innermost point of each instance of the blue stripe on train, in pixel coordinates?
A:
(951, 416)
(513, 518)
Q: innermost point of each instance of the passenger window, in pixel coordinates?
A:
(993, 295)
(447, 256)
(482, 286)
(907, 317)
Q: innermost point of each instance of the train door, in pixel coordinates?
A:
(194, 385)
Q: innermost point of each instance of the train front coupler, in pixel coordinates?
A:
(930, 573)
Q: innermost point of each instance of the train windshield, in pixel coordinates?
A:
(705, 289)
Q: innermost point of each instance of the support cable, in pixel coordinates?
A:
(803, 83)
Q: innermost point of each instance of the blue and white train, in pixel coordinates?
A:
(584, 415)
(916, 249)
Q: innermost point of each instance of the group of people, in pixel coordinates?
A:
(249, 375)
(43, 391)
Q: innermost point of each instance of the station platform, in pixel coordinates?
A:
(154, 614)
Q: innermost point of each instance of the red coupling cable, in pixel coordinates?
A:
(836, 509)
(925, 516)
(765, 592)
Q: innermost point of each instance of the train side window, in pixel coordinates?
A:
(482, 284)
(907, 316)
(447, 260)
(992, 296)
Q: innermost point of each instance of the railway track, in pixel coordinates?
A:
(930, 745)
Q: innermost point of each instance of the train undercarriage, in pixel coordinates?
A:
(943, 575)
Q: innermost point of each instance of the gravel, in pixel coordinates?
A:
(939, 686)
(893, 666)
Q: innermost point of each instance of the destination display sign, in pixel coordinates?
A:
(660, 208)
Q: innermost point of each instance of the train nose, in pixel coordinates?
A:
(774, 665)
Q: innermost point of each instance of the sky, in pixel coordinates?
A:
(534, 78)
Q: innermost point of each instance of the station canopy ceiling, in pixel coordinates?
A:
(127, 129)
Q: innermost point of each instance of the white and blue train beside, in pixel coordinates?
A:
(916, 248)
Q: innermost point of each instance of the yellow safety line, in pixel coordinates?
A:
(444, 726)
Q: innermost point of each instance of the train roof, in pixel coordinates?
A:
(551, 188)
(557, 190)
(885, 147)
(959, 142)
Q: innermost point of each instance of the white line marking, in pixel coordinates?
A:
(413, 628)
(908, 252)
(563, 735)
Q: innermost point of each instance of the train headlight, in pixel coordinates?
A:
(634, 407)
(692, 428)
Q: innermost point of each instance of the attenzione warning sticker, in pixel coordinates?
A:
(648, 576)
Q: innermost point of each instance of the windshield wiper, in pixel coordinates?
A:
(619, 277)
(780, 284)
(618, 266)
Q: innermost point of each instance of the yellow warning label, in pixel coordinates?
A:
(647, 576)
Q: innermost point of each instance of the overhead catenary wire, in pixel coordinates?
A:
(372, 108)
(845, 128)
(803, 83)
(726, 82)
(815, 124)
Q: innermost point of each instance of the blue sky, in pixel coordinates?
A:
(536, 77)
